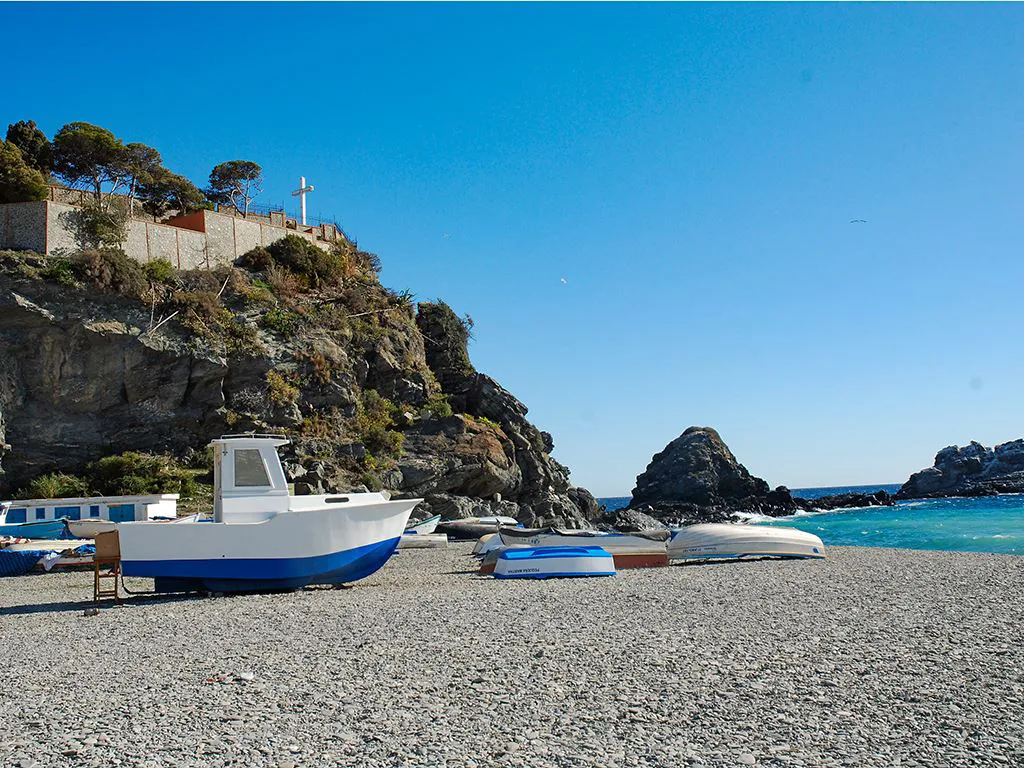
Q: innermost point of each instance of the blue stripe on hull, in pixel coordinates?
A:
(44, 529)
(254, 574)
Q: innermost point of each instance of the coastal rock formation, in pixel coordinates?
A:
(371, 393)
(697, 479)
(972, 470)
(696, 468)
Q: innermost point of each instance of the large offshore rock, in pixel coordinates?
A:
(972, 470)
(696, 468)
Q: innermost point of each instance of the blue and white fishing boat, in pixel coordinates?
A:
(260, 537)
(553, 562)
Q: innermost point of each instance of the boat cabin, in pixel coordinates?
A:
(248, 480)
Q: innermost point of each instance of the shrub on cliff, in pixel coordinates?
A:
(311, 266)
(374, 419)
(19, 182)
(111, 270)
(131, 473)
(56, 485)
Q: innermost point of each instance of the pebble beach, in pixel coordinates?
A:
(872, 657)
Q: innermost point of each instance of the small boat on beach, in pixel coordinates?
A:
(728, 540)
(475, 527)
(423, 527)
(423, 541)
(260, 537)
(644, 549)
(553, 562)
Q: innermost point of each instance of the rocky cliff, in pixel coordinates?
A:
(973, 470)
(696, 478)
(100, 356)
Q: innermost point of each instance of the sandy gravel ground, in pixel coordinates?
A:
(870, 658)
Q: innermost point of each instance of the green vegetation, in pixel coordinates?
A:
(56, 485)
(19, 182)
(126, 474)
(280, 389)
(283, 321)
(160, 271)
(35, 148)
(437, 406)
(236, 183)
(97, 227)
(374, 419)
(112, 271)
(165, 191)
(60, 271)
(87, 154)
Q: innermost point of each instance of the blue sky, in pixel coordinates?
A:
(689, 170)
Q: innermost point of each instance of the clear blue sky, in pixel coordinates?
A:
(690, 171)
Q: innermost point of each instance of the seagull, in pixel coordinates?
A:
(564, 281)
(447, 235)
(858, 221)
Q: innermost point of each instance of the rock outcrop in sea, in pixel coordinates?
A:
(972, 470)
(372, 392)
(697, 479)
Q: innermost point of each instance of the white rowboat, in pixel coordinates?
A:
(715, 540)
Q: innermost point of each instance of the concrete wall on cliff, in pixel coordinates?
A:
(214, 239)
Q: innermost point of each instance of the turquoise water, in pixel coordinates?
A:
(986, 524)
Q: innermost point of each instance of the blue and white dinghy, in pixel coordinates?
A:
(260, 538)
(553, 562)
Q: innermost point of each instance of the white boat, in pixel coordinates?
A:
(475, 527)
(714, 540)
(645, 549)
(424, 527)
(553, 562)
(88, 529)
(486, 543)
(260, 537)
(423, 541)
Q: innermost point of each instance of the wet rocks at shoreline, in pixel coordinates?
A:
(972, 470)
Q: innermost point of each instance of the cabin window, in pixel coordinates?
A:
(16, 515)
(40, 513)
(249, 469)
(94, 511)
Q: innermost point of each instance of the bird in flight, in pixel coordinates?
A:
(563, 280)
(858, 221)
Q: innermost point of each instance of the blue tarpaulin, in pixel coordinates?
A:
(18, 563)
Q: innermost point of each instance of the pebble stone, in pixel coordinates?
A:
(872, 657)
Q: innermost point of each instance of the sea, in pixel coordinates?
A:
(983, 524)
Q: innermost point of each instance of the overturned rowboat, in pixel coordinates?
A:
(553, 562)
(726, 540)
(423, 541)
(423, 527)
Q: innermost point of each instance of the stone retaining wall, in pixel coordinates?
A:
(213, 240)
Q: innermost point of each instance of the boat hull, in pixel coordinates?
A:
(553, 562)
(287, 551)
(424, 527)
(43, 529)
(707, 541)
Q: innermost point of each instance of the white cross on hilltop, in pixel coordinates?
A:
(301, 193)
